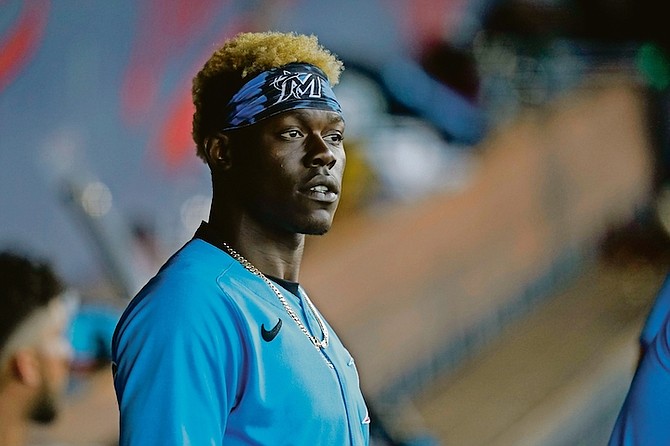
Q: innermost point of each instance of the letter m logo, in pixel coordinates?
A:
(297, 86)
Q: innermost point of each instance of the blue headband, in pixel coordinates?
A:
(289, 87)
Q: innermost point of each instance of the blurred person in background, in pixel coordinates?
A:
(223, 345)
(35, 351)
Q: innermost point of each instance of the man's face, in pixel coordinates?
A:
(287, 170)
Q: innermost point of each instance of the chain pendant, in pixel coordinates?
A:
(318, 344)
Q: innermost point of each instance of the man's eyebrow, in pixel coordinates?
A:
(333, 118)
(336, 119)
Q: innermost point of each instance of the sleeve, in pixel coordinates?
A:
(659, 310)
(644, 419)
(177, 359)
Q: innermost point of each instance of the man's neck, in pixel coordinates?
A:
(273, 253)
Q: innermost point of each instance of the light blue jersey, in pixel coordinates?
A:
(201, 358)
(644, 419)
(657, 315)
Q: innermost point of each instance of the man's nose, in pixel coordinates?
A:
(320, 153)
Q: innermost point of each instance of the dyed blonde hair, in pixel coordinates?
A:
(241, 58)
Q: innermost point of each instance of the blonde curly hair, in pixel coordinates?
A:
(241, 58)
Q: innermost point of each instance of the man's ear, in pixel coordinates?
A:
(26, 367)
(219, 152)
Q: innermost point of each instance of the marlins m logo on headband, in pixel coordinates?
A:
(291, 87)
(297, 86)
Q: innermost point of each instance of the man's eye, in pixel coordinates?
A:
(335, 137)
(291, 134)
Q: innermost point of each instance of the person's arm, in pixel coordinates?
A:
(660, 309)
(177, 372)
(644, 419)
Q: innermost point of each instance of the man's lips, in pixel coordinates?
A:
(322, 188)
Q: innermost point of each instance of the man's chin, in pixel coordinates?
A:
(316, 228)
(318, 225)
(317, 233)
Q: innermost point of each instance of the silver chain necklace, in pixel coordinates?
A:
(322, 325)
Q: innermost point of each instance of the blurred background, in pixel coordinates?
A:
(503, 229)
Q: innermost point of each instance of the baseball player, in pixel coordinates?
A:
(224, 345)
